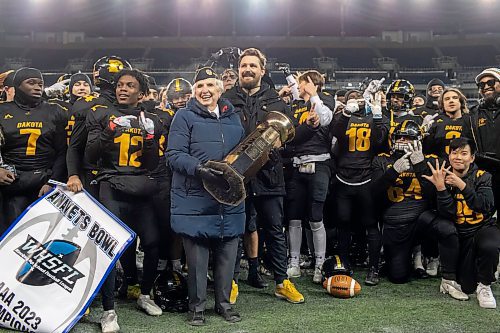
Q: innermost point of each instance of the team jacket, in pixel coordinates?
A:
(123, 152)
(35, 138)
(442, 132)
(358, 140)
(472, 208)
(76, 159)
(401, 197)
(320, 142)
(485, 135)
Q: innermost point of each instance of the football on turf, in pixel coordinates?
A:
(342, 286)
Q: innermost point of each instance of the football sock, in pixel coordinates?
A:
(295, 237)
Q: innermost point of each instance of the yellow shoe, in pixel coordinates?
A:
(289, 292)
(234, 293)
(87, 312)
(133, 292)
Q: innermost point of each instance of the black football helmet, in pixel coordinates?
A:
(334, 266)
(407, 129)
(170, 291)
(403, 88)
(179, 88)
(106, 68)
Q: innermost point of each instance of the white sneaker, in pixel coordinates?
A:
(293, 271)
(485, 297)
(109, 322)
(454, 289)
(432, 266)
(144, 302)
(317, 277)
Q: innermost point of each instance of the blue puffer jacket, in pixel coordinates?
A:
(196, 137)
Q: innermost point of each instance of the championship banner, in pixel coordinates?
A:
(55, 257)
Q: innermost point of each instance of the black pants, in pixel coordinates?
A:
(197, 255)
(354, 207)
(496, 190)
(137, 213)
(89, 183)
(161, 208)
(400, 239)
(14, 204)
(269, 211)
(306, 194)
(478, 258)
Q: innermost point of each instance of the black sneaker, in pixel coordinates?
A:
(196, 318)
(420, 273)
(229, 315)
(256, 281)
(372, 278)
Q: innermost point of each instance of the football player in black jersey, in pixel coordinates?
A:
(171, 248)
(124, 142)
(360, 135)
(404, 199)
(179, 91)
(35, 144)
(81, 172)
(465, 198)
(308, 183)
(449, 125)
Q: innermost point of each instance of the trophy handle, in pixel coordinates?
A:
(234, 193)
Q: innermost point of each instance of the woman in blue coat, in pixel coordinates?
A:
(207, 129)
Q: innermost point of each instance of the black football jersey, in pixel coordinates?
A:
(401, 196)
(35, 138)
(76, 159)
(121, 151)
(442, 132)
(319, 143)
(358, 140)
(165, 115)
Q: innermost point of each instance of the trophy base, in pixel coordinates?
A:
(234, 193)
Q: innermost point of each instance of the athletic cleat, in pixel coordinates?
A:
(133, 292)
(234, 293)
(453, 289)
(109, 322)
(317, 277)
(432, 266)
(289, 292)
(145, 303)
(485, 297)
(293, 272)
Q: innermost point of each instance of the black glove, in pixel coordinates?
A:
(210, 175)
(274, 156)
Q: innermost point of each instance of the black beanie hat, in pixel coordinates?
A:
(9, 79)
(435, 82)
(79, 77)
(205, 73)
(25, 73)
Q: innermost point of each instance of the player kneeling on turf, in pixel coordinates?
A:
(465, 196)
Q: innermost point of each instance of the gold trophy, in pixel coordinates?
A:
(244, 161)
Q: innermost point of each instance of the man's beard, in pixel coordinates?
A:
(250, 85)
(492, 99)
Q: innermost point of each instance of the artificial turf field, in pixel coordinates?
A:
(387, 308)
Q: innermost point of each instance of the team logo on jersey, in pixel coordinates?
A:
(89, 98)
(48, 263)
(8, 116)
(482, 122)
(112, 117)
